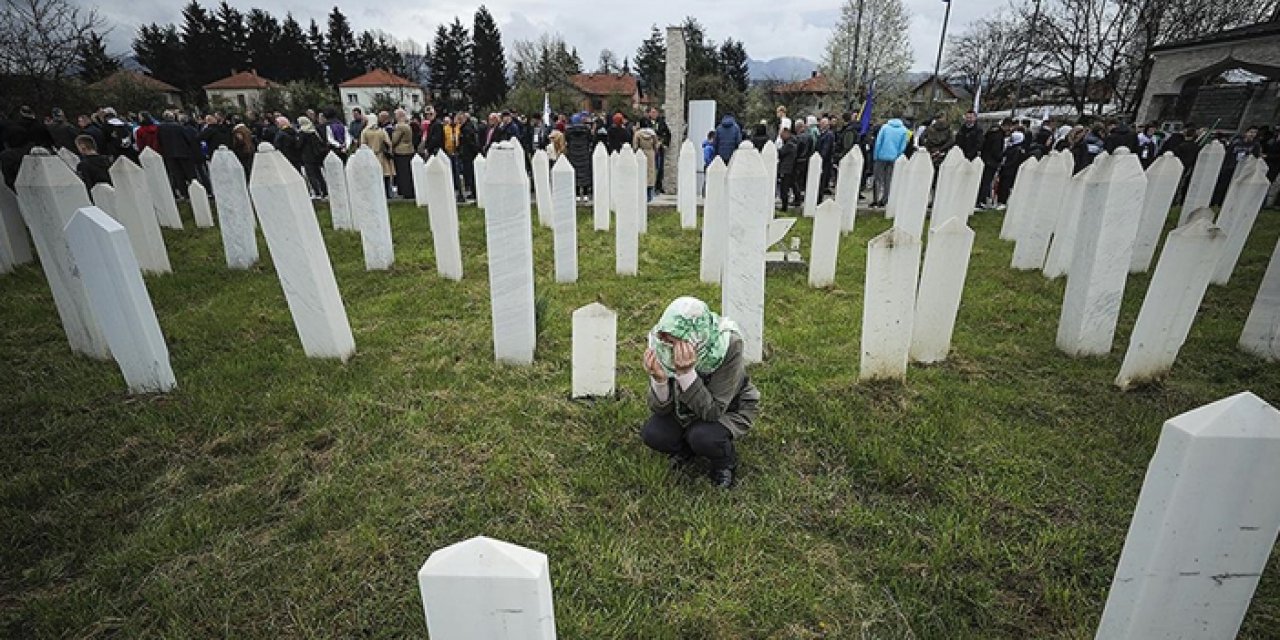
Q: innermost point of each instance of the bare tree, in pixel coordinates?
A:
(42, 39)
(608, 62)
(987, 54)
(869, 44)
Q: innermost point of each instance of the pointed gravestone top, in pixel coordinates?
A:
(1203, 213)
(148, 152)
(482, 557)
(1243, 415)
(594, 310)
(264, 147)
(38, 173)
(562, 164)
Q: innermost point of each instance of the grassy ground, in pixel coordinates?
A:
(276, 496)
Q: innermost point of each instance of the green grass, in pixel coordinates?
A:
(276, 496)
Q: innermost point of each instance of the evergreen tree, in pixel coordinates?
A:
(160, 50)
(700, 54)
(489, 62)
(232, 44)
(733, 64)
(365, 52)
(340, 49)
(315, 68)
(263, 45)
(296, 60)
(651, 63)
(450, 65)
(201, 46)
(95, 62)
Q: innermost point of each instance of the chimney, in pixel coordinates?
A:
(813, 74)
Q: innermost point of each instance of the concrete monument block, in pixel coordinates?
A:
(132, 208)
(627, 227)
(368, 196)
(486, 588)
(742, 291)
(600, 188)
(888, 308)
(1042, 211)
(595, 351)
(479, 167)
(104, 259)
(1062, 249)
(542, 187)
(715, 223)
(335, 177)
(1239, 211)
(913, 186)
(161, 193)
(1205, 523)
(1204, 177)
(1261, 335)
(48, 194)
(946, 263)
(1025, 195)
(235, 211)
(1172, 299)
(849, 188)
(509, 241)
(825, 245)
(1162, 184)
(298, 252)
(15, 249)
(418, 172)
(1103, 251)
(199, 198)
(687, 189)
(442, 212)
(564, 220)
(673, 108)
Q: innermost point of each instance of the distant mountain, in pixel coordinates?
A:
(787, 69)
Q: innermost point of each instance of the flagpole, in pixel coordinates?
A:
(937, 63)
(1026, 52)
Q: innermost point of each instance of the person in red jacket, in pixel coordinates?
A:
(148, 133)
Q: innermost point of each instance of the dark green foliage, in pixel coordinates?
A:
(489, 84)
(341, 61)
(451, 66)
(651, 63)
(95, 62)
(161, 51)
(264, 44)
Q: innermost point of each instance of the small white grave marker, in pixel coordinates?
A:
(888, 307)
(1239, 211)
(595, 351)
(161, 192)
(235, 211)
(199, 198)
(946, 263)
(486, 588)
(15, 249)
(542, 186)
(509, 241)
(442, 212)
(742, 291)
(132, 208)
(715, 223)
(1204, 177)
(687, 186)
(418, 172)
(825, 245)
(849, 187)
(564, 220)
(1162, 184)
(600, 188)
(1261, 335)
(335, 177)
(369, 206)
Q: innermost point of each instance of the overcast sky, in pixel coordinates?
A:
(801, 31)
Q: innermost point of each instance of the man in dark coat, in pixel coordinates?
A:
(992, 152)
(468, 149)
(728, 137)
(1121, 136)
(787, 169)
(826, 149)
(579, 145)
(179, 147)
(664, 142)
(62, 132)
(969, 138)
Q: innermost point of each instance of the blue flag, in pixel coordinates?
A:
(865, 124)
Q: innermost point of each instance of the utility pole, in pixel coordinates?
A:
(937, 63)
(1026, 53)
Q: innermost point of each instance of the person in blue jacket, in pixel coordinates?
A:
(891, 141)
(709, 149)
(728, 137)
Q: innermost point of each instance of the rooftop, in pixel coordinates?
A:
(605, 84)
(379, 78)
(242, 80)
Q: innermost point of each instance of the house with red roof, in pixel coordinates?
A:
(813, 95)
(129, 82)
(601, 90)
(364, 90)
(240, 89)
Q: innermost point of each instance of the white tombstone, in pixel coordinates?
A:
(1261, 336)
(104, 259)
(161, 191)
(769, 156)
(542, 187)
(600, 188)
(1173, 297)
(812, 178)
(595, 351)
(912, 185)
(103, 196)
(48, 194)
(235, 211)
(825, 244)
(687, 186)
(68, 156)
(1025, 194)
(627, 226)
(715, 223)
(15, 249)
(418, 173)
(486, 588)
(1103, 250)
(298, 253)
(1043, 211)
(849, 188)
(742, 289)
(509, 240)
(132, 208)
(888, 307)
(564, 222)
(479, 167)
(1239, 211)
(642, 190)
(946, 263)
(442, 212)
(948, 200)
(1205, 523)
(335, 177)
(1204, 177)
(368, 196)
(199, 198)
(1163, 177)
(614, 186)
(1057, 262)
(891, 204)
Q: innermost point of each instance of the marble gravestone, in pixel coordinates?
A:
(687, 186)
(715, 223)
(235, 211)
(335, 176)
(486, 588)
(542, 187)
(1162, 184)
(1261, 336)
(48, 194)
(956, 190)
(199, 198)
(103, 196)
(479, 167)
(614, 185)
(912, 187)
(1103, 250)
(132, 208)
(442, 213)
(301, 261)
(702, 118)
(825, 244)
(369, 207)
(104, 259)
(1204, 177)
(564, 220)
(627, 226)
(742, 288)
(68, 156)
(418, 172)
(769, 156)
(600, 188)
(162, 199)
(15, 249)
(509, 241)
(642, 191)
(1062, 248)
(1239, 211)
(1205, 523)
(1042, 211)
(1173, 297)
(891, 204)
(849, 187)
(812, 178)
(595, 351)
(888, 308)
(1026, 189)
(946, 263)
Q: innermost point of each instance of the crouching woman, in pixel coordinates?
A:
(699, 394)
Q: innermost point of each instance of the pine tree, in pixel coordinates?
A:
(201, 48)
(340, 49)
(160, 50)
(489, 62)
(95, 62)
(232, 44)
(293, 53)
(262, 46)
(315, 68)
(733, 64)
(651, 63)
(450, 65)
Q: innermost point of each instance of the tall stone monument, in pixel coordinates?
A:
(673, 106)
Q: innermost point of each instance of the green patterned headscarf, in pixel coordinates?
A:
(690, 319)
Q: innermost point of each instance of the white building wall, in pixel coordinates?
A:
(410, 99)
